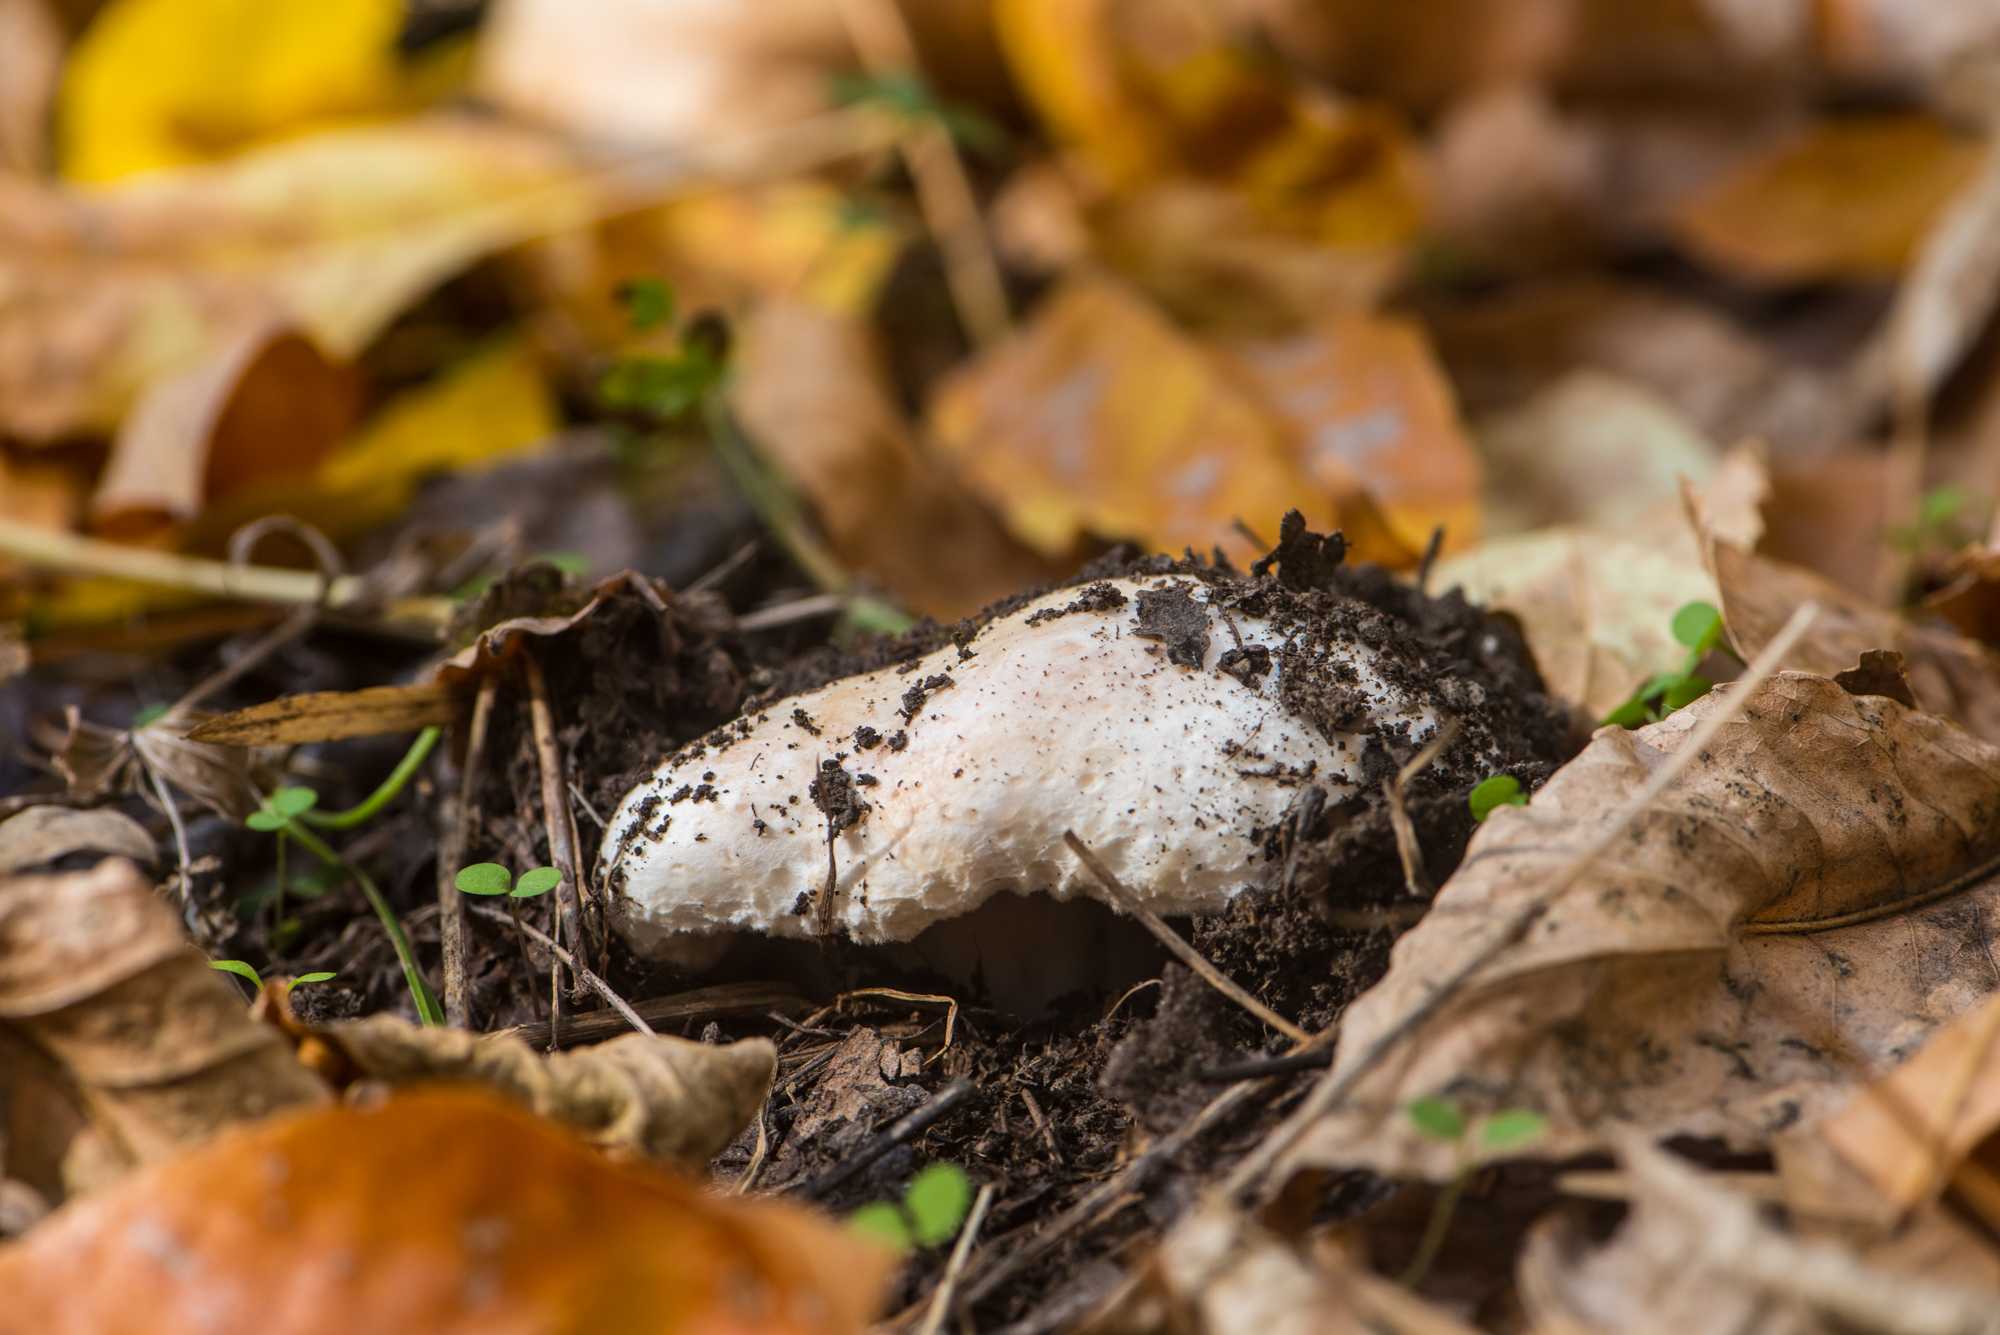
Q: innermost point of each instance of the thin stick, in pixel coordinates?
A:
(955, 1267)
(1339, 1082)
(1407, 847)
(1178, 948)
(556, 816)
(451, 901)
(591, 980)
(180, 830)
(944, 193)
(907, 1127)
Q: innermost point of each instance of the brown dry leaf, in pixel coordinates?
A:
(1951, 675)
(1695, 1256)
(1590, 448)
(1785, 923)
(1930, 1120)
(1367, 411)
(95, 761)
(666, 1098)
(1101, 417)
(812, 390)
(106, 292)
(96, 973)
(40, 835)
(1850, 199)
(1218, 1272)
(328, 716)
(452, 1212)
(1831, 514)
(1199, 146)
(31, 50)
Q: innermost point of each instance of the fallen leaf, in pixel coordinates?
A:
(1831, 514)
(1850, 199)
(41, 835)
(1930, 1119)
(812, 390)
(1590, 448)
(1367, 411)
(521, 1227)
(328, 716)
(31, 51)
(1101, 417)
(1822, 844)
(97, 973)
(1694, 1255)
(209, 432)
(165, 83)
(96, 761)
(1950, 675)
(670, 1099)
(107, 292)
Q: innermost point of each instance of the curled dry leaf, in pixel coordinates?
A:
(1948, 674)
(327, 716)
(1795, 914)
(40, 835)
(666, 1098)
(96, 973)
(1693, 1255)
(449, 1211)
(96, 761)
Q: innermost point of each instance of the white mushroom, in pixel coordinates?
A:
(1140, 712)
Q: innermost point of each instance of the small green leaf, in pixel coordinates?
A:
(1941, 505)
(1698, 626)
(648, 302)
(1440, 1119)
(884, 1223)
(294, 801)
(1493, 792)
(240, 969)
(537, 881)
(320, 977)
(1685, 691)
(570, 563)
(264, 819)
(937, 1200)
(152, 713)
(1512, 1128)
(484, 878)
(1631, 714)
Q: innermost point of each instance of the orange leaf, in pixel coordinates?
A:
(445, 1211)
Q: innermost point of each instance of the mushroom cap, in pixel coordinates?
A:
(1138, 712)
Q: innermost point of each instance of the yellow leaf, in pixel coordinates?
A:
(165, 83)
(1102, 417)
(1849, 199)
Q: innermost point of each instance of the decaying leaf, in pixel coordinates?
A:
(96, 974)
(327, 716)
(450, 1211)
(1789, 920)
(670, 1099)
(1850, 199)
(95, 760)
(41, 835)
(1102, 417)
(1949, 674)
(812, 391)
(1695, 1255)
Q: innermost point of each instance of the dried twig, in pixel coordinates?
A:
(557, 819)
(907, 1127)
(944, 193)
(1178, 948)
(1339, 1082)
(940, 1306)
(451, 902)
(1407, 847)
(589, 979)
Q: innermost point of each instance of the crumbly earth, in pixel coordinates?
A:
(1060, 1097)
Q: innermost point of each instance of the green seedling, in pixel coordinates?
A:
(933, 1207)
(671, 386)
(491, 878)
(256, 980)
(291, 814)
(148, 714)
(1493, 792)
(1698, 627)
(648, 302)
(1443, 1120)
